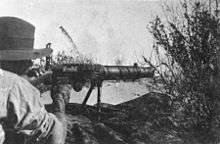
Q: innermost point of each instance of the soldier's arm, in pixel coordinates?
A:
(26, 114)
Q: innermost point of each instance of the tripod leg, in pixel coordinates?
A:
(99, 102)
(88, 94)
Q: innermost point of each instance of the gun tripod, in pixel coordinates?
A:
(94, 84)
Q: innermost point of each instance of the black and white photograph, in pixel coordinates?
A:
(109, 72)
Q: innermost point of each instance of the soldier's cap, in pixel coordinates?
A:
(17, 40)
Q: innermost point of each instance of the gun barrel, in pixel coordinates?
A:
(105, 72)
(127, 72)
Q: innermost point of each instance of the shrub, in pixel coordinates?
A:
(185, 58)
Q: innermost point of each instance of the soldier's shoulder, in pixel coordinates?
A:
(8, 75)
(7, 79)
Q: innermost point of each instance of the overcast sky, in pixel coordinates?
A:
(104, 29)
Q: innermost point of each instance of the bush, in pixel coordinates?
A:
(185, 59)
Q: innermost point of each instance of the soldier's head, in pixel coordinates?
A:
(16, 45)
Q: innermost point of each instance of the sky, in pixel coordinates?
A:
(103, 29)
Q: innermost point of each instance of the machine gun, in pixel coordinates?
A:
(92, 73)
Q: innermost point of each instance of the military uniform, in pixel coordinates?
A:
(21, 109)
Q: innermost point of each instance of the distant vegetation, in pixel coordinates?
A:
(63, 58)
(118, 61)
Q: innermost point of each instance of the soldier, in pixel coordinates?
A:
(21, 110)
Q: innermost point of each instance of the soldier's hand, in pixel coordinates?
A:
(61, 91)
(60, 95)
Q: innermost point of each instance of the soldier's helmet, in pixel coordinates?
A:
(17, 40)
